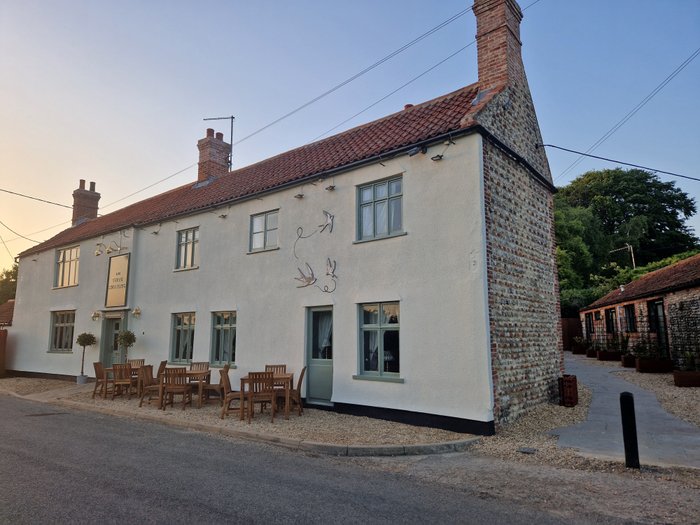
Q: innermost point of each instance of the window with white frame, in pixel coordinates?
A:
(62, 326)
(187, 249)
(263, 231)
(182, 337)
(380, 209)
(67, 263)
(379, 339)
(223, 339)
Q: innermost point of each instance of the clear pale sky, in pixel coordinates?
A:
(115, 92)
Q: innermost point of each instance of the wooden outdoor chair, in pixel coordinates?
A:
(175, 383)
(229, 396)
(294, 394)
(121, 379)
(101, 379)
(150, 385)
(277, 369)
(210, 387)
(261, 390)
(135, 365)
(161, 369)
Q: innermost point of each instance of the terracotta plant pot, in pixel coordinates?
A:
(628, 360)
(686, 378)
(652, 365)
(604, 355)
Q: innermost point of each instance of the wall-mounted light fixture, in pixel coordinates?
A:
(104, 248)
(330, 188)
(96, 315)
(136, 312)
(299, 196)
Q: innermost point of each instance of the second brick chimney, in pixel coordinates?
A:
(498, 43)
(213, 156)
(84, 203)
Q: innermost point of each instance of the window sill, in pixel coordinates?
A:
(59, 352)
(362, 241)
(64, 287)
(186, 269)
(381, 379)
(263, 250)
(230, 366)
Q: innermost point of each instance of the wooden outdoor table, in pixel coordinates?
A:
(201, 377)
(280, 379)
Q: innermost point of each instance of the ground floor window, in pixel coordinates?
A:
(630, 318)
(62, 325)
(379, 339)
(223, 340)
(182, 337)
(610, 321)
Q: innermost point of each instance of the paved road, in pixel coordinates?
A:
(59, 466)
(663, 438)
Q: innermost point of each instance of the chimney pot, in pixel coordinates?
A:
(84, 203)
(213, 156)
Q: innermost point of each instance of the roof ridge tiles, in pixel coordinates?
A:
(414, 124)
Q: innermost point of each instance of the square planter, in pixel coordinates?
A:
(628, 360)
(604, 355)
(686, 378)
(651, 365)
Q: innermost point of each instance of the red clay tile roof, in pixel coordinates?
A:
(6, 312)
(417, 124)
(679, 276)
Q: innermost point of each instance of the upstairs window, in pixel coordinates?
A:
(380, 209)
(187, 249)
(62, 325)
(263, 231)
(223, 340)
(67, 263)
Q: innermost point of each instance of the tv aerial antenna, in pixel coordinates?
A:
(230, 155)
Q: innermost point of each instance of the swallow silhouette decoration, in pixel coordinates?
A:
(329, 222)
(306, 280)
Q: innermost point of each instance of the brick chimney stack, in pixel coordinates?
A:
(213, 156)
(498, 43)
(84, 203)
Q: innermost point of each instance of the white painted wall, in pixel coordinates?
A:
(436, 271)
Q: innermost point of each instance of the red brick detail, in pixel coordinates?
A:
(85, 203)
(213, 156)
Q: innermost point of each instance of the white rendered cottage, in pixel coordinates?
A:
(408, 262)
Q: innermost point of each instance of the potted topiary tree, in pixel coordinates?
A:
(84, 339)
(126, 340)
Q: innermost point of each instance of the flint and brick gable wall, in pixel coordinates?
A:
(526, 349)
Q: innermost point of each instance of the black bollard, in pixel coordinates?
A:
(629, 430)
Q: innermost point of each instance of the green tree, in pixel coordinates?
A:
(636, 207)
(8, 284)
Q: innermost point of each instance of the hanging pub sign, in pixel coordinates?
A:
(117, 281)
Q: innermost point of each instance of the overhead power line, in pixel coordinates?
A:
(359, 74)
(409, 82)
(149, 186)
(8, 250)
(632, 112)
(654, 170)
(18, 234)
(34, 198)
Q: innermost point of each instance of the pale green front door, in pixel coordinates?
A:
(111, 351)
(319, 355)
